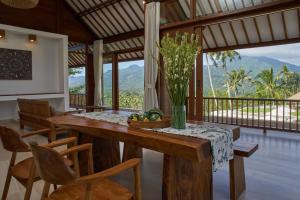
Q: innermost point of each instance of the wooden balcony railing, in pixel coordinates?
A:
(77, 101)
(278, 114)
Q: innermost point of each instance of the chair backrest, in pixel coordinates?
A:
(35, 107)
(51, 166)
(12, 141)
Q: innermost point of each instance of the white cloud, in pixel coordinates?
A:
(289, 53)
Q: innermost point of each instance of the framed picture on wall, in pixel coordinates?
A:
(15, 64)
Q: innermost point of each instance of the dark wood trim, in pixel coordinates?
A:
(246, 46)
(90, 80)
(115, 82)
(199, 80)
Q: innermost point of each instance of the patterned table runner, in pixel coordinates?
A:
(221, 139)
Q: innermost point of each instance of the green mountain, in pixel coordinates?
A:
(252, 64)
(132, 78)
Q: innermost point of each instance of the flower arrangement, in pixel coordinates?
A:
(179, 54)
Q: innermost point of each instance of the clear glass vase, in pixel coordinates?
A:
(178, 119)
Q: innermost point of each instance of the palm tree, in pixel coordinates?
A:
(288, 81)
(220, 59)
(236, 78)
(267, 85)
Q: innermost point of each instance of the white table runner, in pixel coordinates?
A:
(221, 139)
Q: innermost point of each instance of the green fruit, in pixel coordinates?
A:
(133, 115)
(156, 111)
(154, 117)
(141, 118)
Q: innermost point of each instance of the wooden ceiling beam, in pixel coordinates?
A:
(97, 7)
(258, 10)
(262, 44)
(124, 36)
(122, 51)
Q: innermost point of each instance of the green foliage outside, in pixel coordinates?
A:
(238, 82)
(132, 99)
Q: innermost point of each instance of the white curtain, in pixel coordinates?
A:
(98, 71)
(151, 53)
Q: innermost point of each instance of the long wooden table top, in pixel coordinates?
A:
(183, 146)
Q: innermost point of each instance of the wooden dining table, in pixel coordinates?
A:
(187, 165)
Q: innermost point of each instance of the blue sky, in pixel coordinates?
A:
(287, 53)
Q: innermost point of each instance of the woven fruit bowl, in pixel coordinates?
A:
(151, 119)
(163, 123)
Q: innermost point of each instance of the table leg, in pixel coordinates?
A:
(106, 153)
(131, 151)
(187, 180)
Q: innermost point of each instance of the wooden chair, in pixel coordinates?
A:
(25, 171)
(33, 113)
(91, 187)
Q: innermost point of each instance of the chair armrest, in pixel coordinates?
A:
(90, 179)
(38, 132)
(76, 149)
(57, 143)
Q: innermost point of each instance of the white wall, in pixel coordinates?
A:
(45, 65)
(49, 70)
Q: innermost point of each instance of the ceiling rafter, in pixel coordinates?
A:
(234, 34)
(218, 5)
(245, 31)
(248, 12)
(98, 7)
(213, 36)
(246, 46)
(270, 27)
(223, 34)
(284, 25)
(134, 11)
(257, 29)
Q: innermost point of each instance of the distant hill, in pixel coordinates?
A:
(133, 76)
(252, 64)
(129, 78)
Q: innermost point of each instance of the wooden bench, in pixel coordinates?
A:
(237, 169)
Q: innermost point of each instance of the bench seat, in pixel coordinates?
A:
(237, 169)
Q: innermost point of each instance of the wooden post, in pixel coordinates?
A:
(90, 81)
(199, 80)
(193, 9)
(115, 82)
